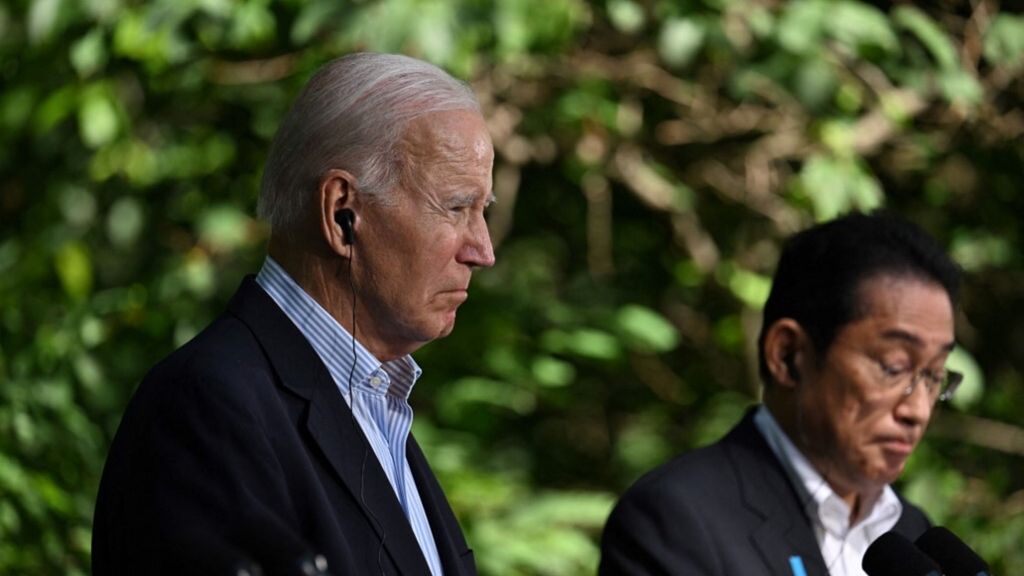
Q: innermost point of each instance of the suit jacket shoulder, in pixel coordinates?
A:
(724, 509)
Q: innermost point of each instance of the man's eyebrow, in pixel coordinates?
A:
(903, 336)
(470, 199)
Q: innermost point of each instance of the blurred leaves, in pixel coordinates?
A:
(651, 157)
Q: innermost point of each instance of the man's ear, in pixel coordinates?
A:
(336, 193)
(786, 351)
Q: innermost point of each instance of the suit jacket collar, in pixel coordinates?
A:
(331, 424)
(785, 530)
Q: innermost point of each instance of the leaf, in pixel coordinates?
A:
(314, 17)
(836, 186)
(646, 330)
(679, 41)
(815, 82)
(74, 268)
(89, 53)
(584, 342)
(224, 228)
(97, 119)
(802, 25)
(960, 87)
(470, 393)
(749, 287)
(552, 372)
(929, 33)
(861, 28)
(125, 221)
(626, 15)
(1004, 40)
(252, 25)
(972, 388)
(43, 17)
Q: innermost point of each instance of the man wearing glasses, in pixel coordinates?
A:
(852, 352)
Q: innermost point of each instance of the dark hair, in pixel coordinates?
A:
(821, 269)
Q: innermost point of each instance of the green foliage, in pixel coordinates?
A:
(651, 156)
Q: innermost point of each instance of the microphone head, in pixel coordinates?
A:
(893, 555)
(955, 557)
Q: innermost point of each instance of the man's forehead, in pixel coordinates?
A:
(903, 310)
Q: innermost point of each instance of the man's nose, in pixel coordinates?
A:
(476, 250)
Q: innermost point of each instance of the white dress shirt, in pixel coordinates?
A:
(842, 545)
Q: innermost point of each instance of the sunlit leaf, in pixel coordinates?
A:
(802, 25)
(97, 119)
(224, 228)
(1004, 40)
(585, 342)
(679, 41)
(553, 372)
(973, 386)
(626, 15)
(836, 186)
(471, 393)
(89, 54)
(978, 250)
(960, 87)
(313, 18)
(74, 268)
(751, 288)
(861, 28)
(253, 25)
(43, 16)
(645, 329)
(929, 33)
(125, 221)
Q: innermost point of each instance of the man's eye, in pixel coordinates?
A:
(892, 370)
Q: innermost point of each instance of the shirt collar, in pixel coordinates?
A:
(821, 501)
(346, 359)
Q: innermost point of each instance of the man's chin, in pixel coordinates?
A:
(447, 327)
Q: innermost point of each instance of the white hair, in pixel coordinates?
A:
(352, 115)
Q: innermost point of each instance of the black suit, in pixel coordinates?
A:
(728, 509)
(239, 445)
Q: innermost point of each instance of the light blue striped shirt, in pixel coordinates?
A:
(379, 401)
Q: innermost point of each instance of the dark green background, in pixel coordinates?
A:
(650, 157)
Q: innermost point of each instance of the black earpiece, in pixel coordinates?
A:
(346, 219)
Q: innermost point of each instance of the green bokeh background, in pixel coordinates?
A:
(651, 155)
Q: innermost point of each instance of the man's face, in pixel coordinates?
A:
(415, 255)
(858, 430)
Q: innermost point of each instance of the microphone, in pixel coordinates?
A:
(893, 555)
(955, 557)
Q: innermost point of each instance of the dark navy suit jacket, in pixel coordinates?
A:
(240, 446)
(728, 509)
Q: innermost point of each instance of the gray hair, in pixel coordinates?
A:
(352, 115)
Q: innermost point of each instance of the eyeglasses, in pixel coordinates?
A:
(939, 384)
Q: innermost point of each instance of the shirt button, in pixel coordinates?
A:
(375, 381)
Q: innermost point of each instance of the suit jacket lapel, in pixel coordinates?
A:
(450, 546)
(767, 491)
(330, 423)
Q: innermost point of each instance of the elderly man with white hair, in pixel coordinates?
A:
(277, 440)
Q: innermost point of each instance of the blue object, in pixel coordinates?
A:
(797, 565)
